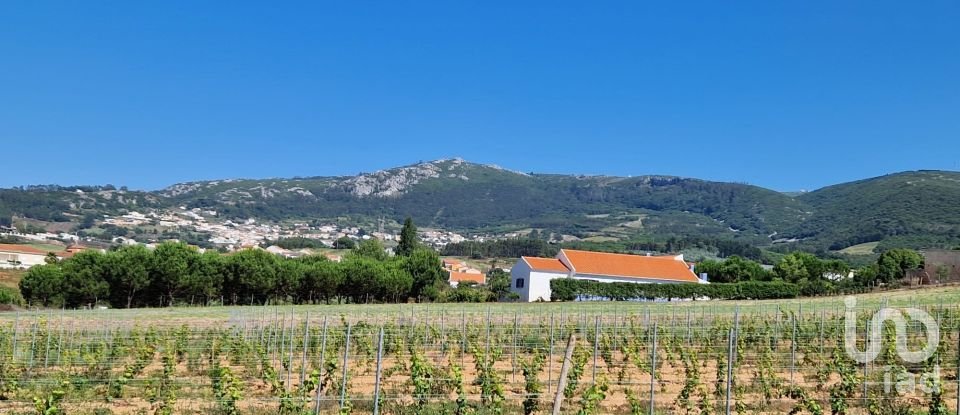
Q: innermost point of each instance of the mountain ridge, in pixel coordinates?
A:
(456, 194)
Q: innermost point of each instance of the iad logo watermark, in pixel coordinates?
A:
(895, 376)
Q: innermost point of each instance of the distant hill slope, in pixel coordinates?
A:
(913, 207)
(460, 195)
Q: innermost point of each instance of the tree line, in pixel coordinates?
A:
(533, 245)
(815, 276)
(175, 273)
(503, 248)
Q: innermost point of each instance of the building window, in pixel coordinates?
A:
(519, 282)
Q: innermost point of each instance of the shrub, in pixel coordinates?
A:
(10, 296)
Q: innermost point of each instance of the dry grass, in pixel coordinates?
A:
(11, 278)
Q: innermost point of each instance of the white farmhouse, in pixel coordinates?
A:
(531, 276)
(20, 256)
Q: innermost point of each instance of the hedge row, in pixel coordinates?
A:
(566, 289)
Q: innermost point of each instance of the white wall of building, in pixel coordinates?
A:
(607, 278)
(520, 271)
(536, 284)
(9, 260)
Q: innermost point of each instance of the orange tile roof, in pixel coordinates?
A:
(464, 276)
(545, 264)
(630, 266)
(75, 248)
(21, 249)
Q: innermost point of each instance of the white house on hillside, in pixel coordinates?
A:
(531, 276)
(20, 256)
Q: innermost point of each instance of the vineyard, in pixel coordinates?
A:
(627, 358)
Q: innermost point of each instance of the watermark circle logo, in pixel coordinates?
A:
(874, 335)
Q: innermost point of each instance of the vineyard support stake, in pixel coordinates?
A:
(46, 353)
(376, 384)
(564, 369)
(550, 357)
(60, 338)
(463, 336)
(653, 369)
(866, 336)
(16, 334)
(323, 355)
(516, 326)
(292, 337)
(730, 355)
(346, 365)
(306, 342)
(793, 352)
(596, 346)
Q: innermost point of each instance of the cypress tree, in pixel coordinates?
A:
(408, 238)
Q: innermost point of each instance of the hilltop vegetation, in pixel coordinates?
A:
(899, 210)
(911, 209)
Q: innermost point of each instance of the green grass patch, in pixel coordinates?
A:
(861, 249)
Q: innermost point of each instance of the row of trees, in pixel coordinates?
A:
(813, 275)
(503, 248)
(176, 273)
(533, 245)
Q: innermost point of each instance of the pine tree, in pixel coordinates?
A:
(408, 238)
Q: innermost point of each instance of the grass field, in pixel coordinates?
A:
(10, 278)
(485, 358)
(861, 249)
(49, 247)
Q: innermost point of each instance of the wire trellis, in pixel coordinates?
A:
(634, 359)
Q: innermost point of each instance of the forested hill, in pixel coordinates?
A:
(911, 208)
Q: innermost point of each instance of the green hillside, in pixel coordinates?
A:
(913, 209)
(918, 209)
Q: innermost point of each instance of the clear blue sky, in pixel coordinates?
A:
(787, 95)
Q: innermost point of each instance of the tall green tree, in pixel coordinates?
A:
(83, 279)
(360, 284)
(408, 238)
(205, 278)
(371, 248)
(424, 266)
(894, 264)
(170, 269)
(43, 285)
(498, 282)
(322, 280)
(734, 269)
(344, 242)
(251, 275)
(798, 266)
(289, 277)
(394, 284)
(129, 272)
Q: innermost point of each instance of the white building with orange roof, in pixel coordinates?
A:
(451, 263)
(21, 256)
(531, 276)
(458, 277)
